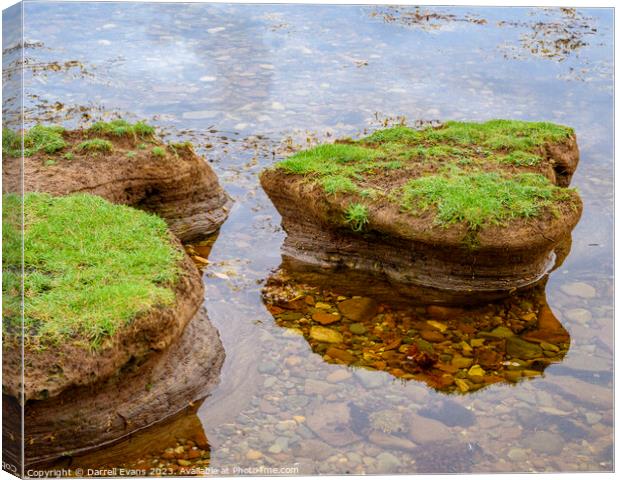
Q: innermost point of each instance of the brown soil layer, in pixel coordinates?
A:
(140, 394)
(179, 186)
(412, 256)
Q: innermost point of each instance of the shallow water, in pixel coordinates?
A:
(249, 84)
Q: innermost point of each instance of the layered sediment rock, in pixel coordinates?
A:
(132, 169)
(461, 214)
(142, 393)
(79, 400)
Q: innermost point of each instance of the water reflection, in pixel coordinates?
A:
(452, 350)
(176, 446)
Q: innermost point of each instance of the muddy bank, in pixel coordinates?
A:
(169, 180)
(441, 215)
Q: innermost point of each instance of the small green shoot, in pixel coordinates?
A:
(356, 215)
(158, 152)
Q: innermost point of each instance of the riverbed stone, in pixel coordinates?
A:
(318, 387)
(390, 441)
(519, 348)
(340, 354)
(267, 366)
(579, 289)
(331, 422)
(369, 378)
(432, 336)
(498, 332)
(518, 454)
(338, 376)
(386, 462)
(426, 430)
(358, 328)
(545, 442)
(359, 309)
(579, 315)
(592, 417)
(324, 334)
(325, 318)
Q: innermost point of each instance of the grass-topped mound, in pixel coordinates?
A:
(53, 140)
(90, 267)
(464, 213)
(123, 162)
(473, 175)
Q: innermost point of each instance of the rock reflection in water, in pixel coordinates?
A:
(453, 350)
(177, 446)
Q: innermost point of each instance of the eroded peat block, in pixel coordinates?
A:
(123, 163)
(463, 213)
(115, 337)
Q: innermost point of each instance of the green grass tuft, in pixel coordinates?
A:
(498, 134)
(90, 266)
(398, 134)
(333, 184)
(328, 159)
(11, 262)
(480, 198)
(337, 166)
(142, 129)
(356, 215)
(521, 159)
(47, 139)
(11, 143)
(158, 152)
(122, 128)
(39, 138)
(95, 145)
